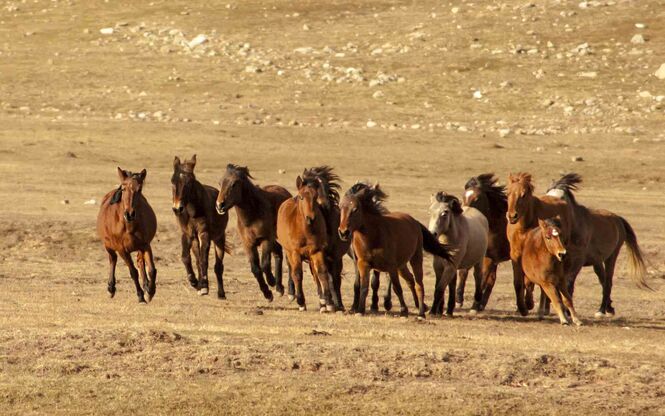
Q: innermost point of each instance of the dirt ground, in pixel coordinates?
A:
(417, 95)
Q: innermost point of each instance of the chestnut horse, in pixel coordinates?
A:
(386, 242)
(194, 208)
(607, 232)
(302, 232)
(482, 193)
(542, 262)
(465, 231)
(524, 211)
(126, 223)
(256, 209)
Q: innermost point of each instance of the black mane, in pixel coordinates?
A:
(370, 197)
(487, 185)
(327, 177)
(240, 171)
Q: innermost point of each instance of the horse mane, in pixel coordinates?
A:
(327, 177)
(567, 184)
(524, 179)
(486, 182)
(449, 200)
(240, 171)
(370, 197)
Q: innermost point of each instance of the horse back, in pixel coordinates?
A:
(392, 238)
(276, 195)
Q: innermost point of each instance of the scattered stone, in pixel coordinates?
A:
(281, 171)
(70, 155)
(304, 50)
(504, 132)
(660, 73)
(640, 25)
(305, 27)
(577, 159)
(65, 202)
(590, 74)
(455, 10)
(252, 69)
(317, 332)
(645, 94)
(477, 95)
(371, 124)
(107, 31)
(637, 39)
(90, 202)
(198, 40)
(378, 94)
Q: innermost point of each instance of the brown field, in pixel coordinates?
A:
(283, 85)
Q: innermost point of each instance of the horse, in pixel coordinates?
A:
(126, 223)
(256, 211)
(200, 224)
(482, 193)
(524, 211)
(542, 262)
(302, 232)
(386, 241)
(464, 230)
(607, 233)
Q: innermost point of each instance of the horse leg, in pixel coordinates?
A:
(553, 293)
(290, 284)
(187, 259)
(599, 269)
(127, 258)
(518, 284)
(152, 272)
(609, 277)
(529, 295)
(325, 279)
(375, 293)
(411, 282)
(336, 273)
(266, 266)
(253, 254)
(315, 278)
(356, 282)
(204, 253)
(140, 262)
(437, 304)
(478, 292)
(364, 269)
(219, 268)
(417, 267)
(489, 279)
(403, 310)
(278, 257)
(295, 268)
(568, 301)
(461, 285)
(113, 260)
(197, 258)
(452, 282)
(387, 297)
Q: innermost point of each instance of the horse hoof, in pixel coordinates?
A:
(387, 305)
(578, 323)
(280, 290)
(599, 314)
(112, 293)
(268, 296)
(291, 298)
(421, 317)
(271, 280)
(221, 296)
(404, 313)
(203, 291)
(302, 308)
(149, 298)
(142, 302)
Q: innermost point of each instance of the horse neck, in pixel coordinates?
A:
(529, 219)
(370, 225)
(200, 197)
(251, 203)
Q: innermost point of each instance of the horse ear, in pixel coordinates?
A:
(176, 162)
(298, 182)
(193, 160)
(117, 196)
(122, 174)
(143, 174)
(542, 224)
(456, 207)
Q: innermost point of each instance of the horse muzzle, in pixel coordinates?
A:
(178, 209)
(309, 220)
(560, 255)
(343, 235)
(221, 208)
(513, 218)
(130, 216)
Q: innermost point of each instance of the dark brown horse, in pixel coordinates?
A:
(606, 233)
(302, 232)
(482, 192)
(126, 223)
(524, 211)
(386, 242)
(201, 225)
(542, 262)
(256, 209)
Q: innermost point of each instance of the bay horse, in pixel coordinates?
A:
(386, 241)
(465, 231)
(482, 193)
(126, 223)
(542, 262)
(524, 211)
(302, 232)
(607, 233)
(256, 211)
(200, 224)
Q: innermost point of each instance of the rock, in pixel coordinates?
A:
(305, 27)
(281, 171)
(70, 155)
(504, 132)
(637, 39)
(377, 95)
(65, 202)
(455, 10)
(477, 95)
(304, 50)
(198, 40)
(252, 69)
(645, 94)
(371, 124)
(577, 159)
(590, 74)
(640, 25)
(660, 73)
(107, 31)
(90, 202)
(415, 126)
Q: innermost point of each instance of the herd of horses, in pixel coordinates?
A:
(547, 239)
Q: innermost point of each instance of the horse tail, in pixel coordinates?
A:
(638, 270)
(432, 245)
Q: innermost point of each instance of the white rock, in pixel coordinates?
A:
(504, 132)
(90, 202)
(640, 25)
(305, 27)
(107, 31)
(591, 74)
(660, 73)
(304, 50)
(477, 95)
(645, 94)
(252, 69)
(378, 94)
(281, 171)
(371, 124)
(198, 40)
(637, 39)
(455, 10)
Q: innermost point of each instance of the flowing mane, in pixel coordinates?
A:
(522, 179)
(240, 171)
(325, 175)
(370, 197)
(565, 186)
(487, 184)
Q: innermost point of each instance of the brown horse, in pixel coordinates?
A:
(482, 192)
(302, 232)
(256, 209)
(607, 233)
(524, 211)
(386, 242)
(194, 208)
(126, 223)
(542, 262)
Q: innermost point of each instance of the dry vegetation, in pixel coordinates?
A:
(419, 95)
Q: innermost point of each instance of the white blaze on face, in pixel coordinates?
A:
(557, 193)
